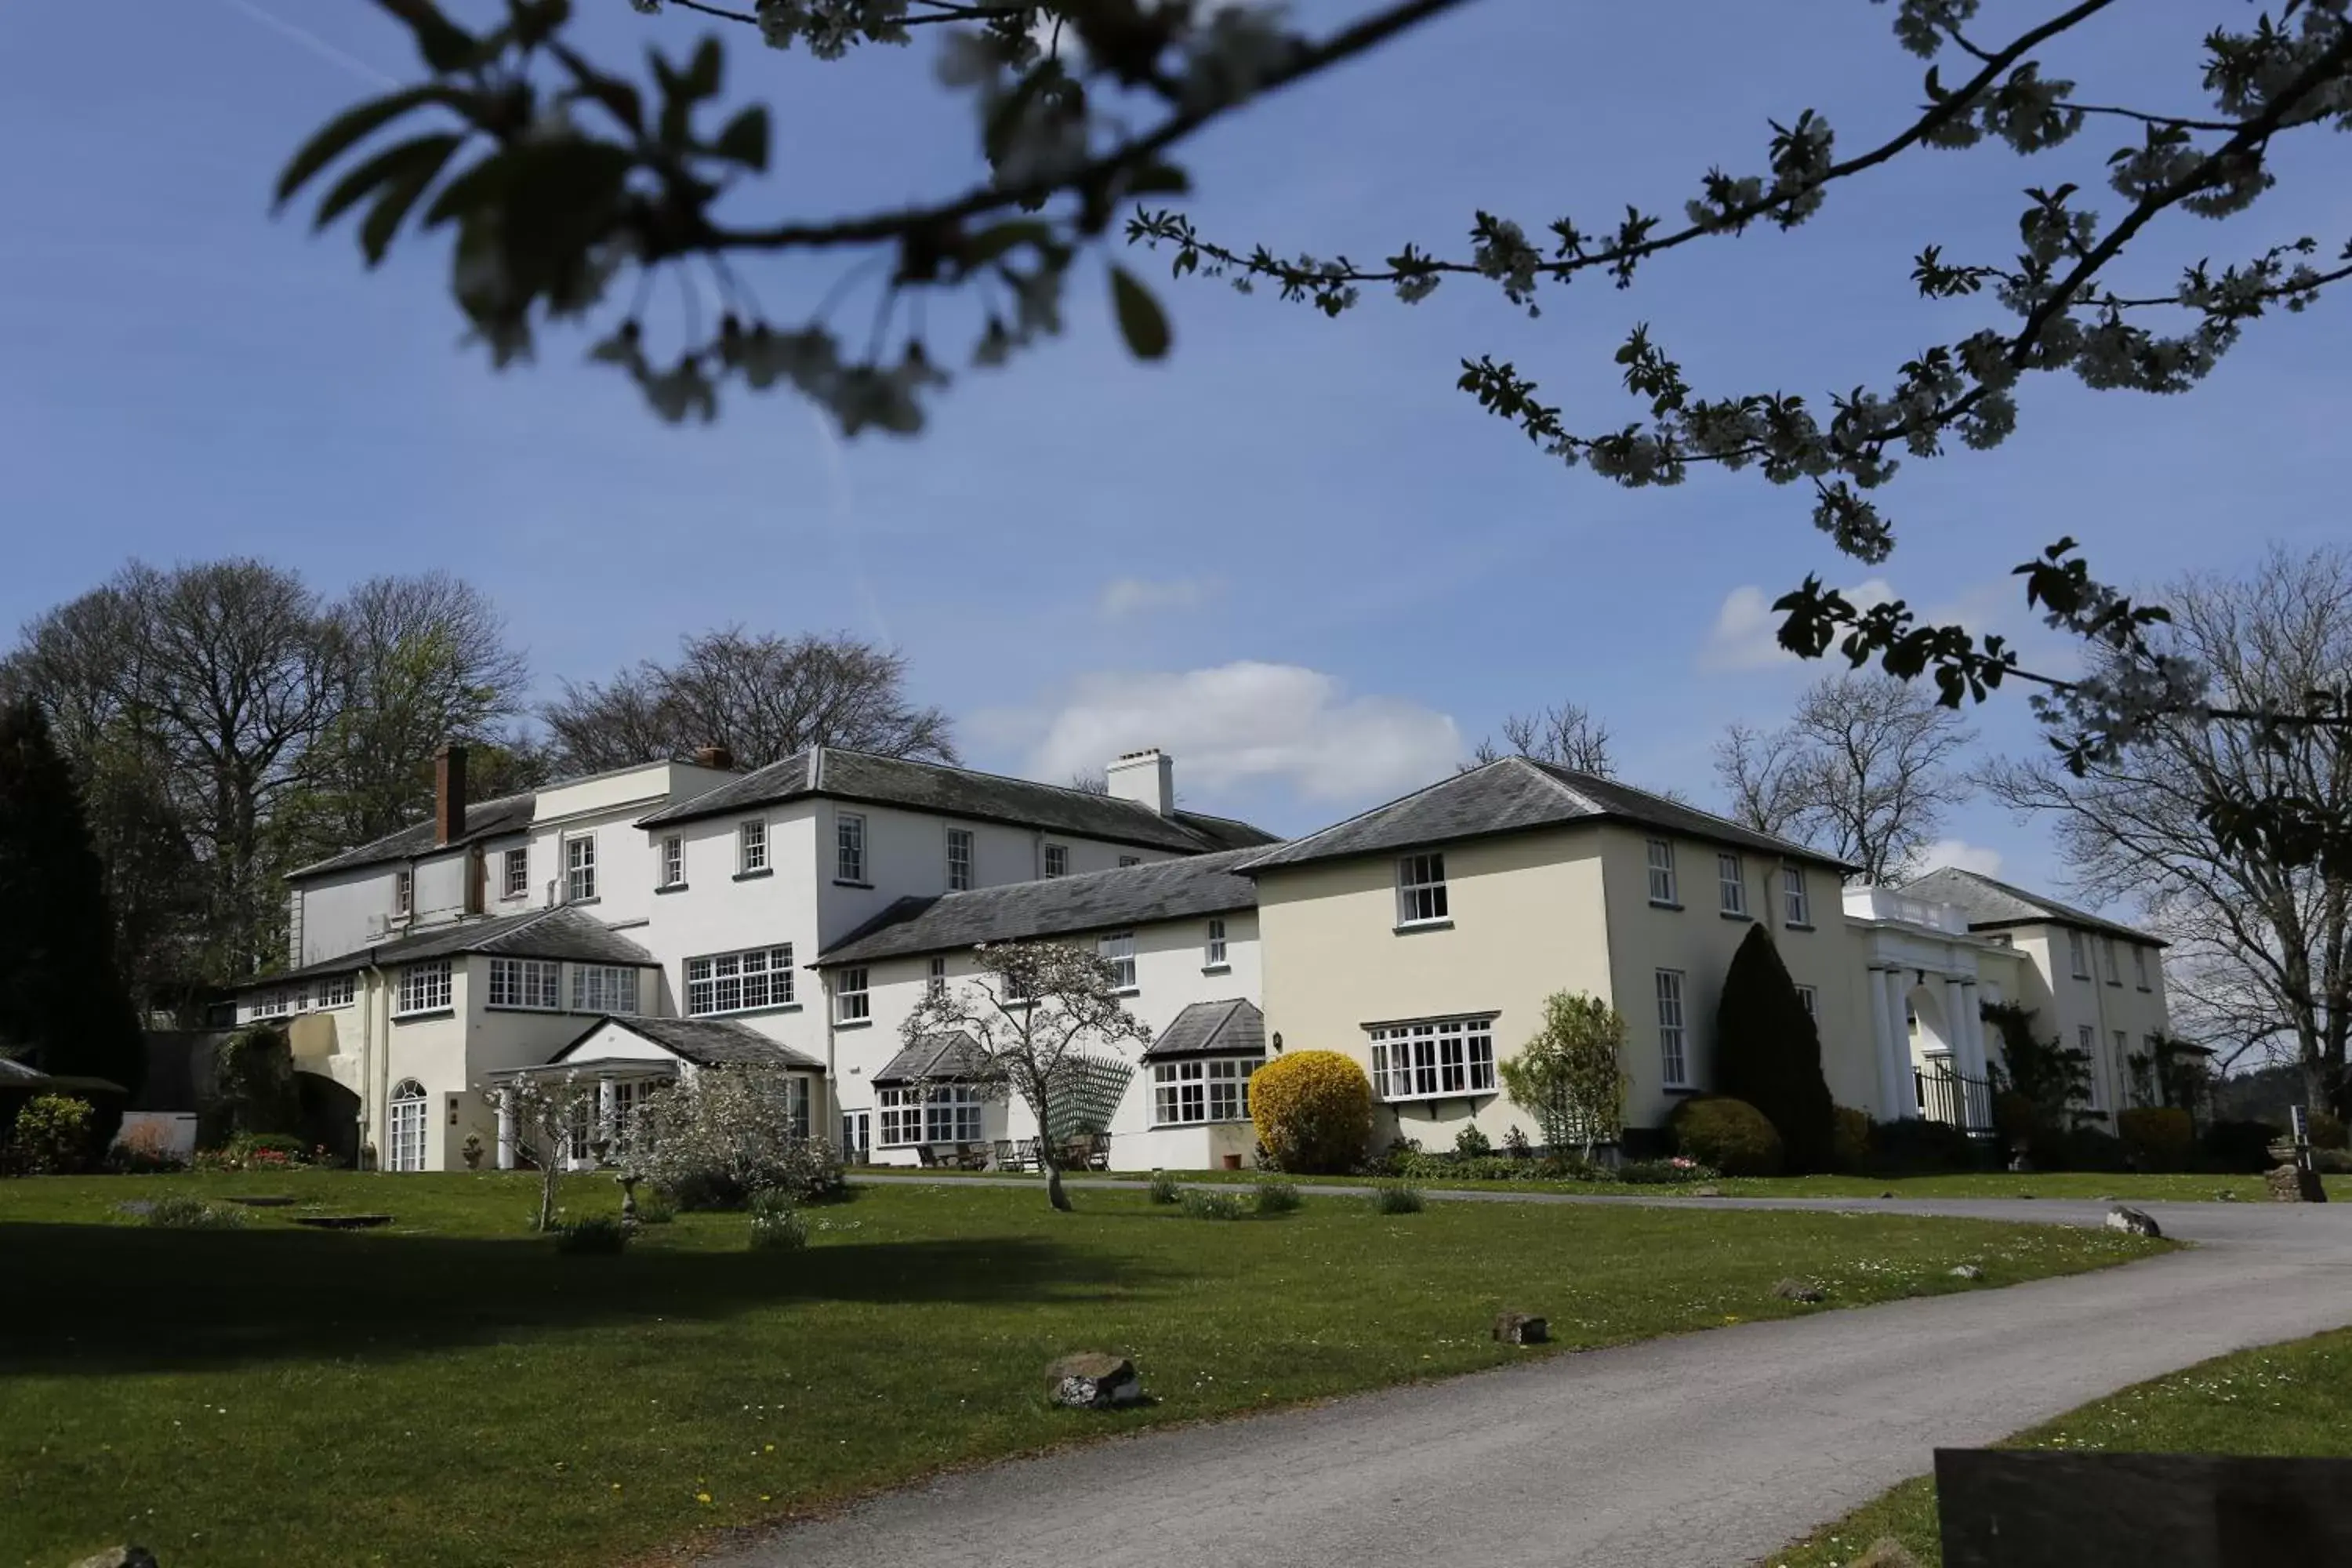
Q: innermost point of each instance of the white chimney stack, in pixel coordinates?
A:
(1148, 776)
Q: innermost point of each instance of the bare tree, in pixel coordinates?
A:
(1090, 784)
(764, 697)
(1568, 735)
(1864, 770)
(1032, 1011)
(2263, 953)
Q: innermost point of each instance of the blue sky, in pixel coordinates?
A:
(1292, 554)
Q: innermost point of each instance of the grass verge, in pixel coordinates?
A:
(2074, 1184)
(450, 1390)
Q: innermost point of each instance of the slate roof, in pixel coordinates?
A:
(934, 1058)
(1096, 901)
(840, 775)
(1513, 795)
(1990, 905)
(559, 933)
(705, 1042)
(484, 819)
(1233, 1028)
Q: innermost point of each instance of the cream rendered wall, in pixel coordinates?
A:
(2064, 1005)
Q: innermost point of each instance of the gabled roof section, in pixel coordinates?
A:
(1515, 794)
(484, 819)
(1229, 1029)
(558, 933)
(1189, 887)
(839, 774)
(1990, 905)
(934, 1058)
(705, 1042)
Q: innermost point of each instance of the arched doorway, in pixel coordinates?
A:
(405, 1140)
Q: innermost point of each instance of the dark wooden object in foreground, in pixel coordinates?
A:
(2032, 1509)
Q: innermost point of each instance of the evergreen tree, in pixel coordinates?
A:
(62, 998)
(1768, 1053)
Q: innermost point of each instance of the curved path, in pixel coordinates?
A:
(1701, 1451)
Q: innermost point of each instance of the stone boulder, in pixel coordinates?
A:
(1886, 1553)
(1967, 1271)
(1799, 1290)
(120, 1557)
(1520, 1328)
(2133, 1222)
(1093, 1379)
(2291, 1183)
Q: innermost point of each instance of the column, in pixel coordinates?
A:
(506, 1130)
(1894, 1087)
(1893, 983)
(602, 1135)
(1980, 1099)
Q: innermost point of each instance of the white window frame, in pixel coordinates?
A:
(1809, 998)
(1212, 952)
(2139, 966)
(1731, 882)
(960, 857)
(853, 1000)
(607, 988)
(1197, 1091)
(751, 846)
(579, 868)
(1117, 950)
(1665, 889)
(2086, 1040)
(1674, 1030)
(1421, 898)
(425, 987)
(2108, 961)
(1436, 1058)
(404, 893)
(673, 861)
(339, 990)
(928, 1113)
(936, 980)
(529, 984)
(749, 980)
(849, 847)
(2079, 951)
(406, 1121)
(1057, 859)
(1127, 860)
(1796, 906)
(514, 874)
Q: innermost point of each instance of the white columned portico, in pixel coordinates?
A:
(1890, 1082)
(1957, 1022)
(1903, 1093)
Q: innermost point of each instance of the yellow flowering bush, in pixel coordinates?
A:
(1313, 1110)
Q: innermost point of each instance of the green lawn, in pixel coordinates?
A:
(452, 1391)
(2285, 1400)
(1970, 1184)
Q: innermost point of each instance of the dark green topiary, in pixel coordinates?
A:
(1768, 1053)
(1730, 1135)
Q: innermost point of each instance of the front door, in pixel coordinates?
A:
(856, 1135)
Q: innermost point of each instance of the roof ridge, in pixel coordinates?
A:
(1544, 771)
(1260, 850)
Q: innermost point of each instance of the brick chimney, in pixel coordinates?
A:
(448, 794)
(1148, 777)
(720, 757)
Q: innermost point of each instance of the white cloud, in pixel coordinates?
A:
(1141, 595)
(1245, 722)
(1746, 634)
(1961, 855)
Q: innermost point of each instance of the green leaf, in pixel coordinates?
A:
(393, 162)
(470, 189)
(1140, 320)
(401, 192)
(998, 238)
(440, 43)
(745, 138)
(702, 72)
(329, 141)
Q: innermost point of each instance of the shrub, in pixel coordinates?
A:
(2051, 1074)
(53, 1134)
(1914, 1146)
(1471, 1143)
(1397, 1197)
(776, 1222)
(1768, 1053)
(1274, 1195)
(1164, 1189)
(726, 1134)
(2240, 1148)
(1514, 1144)
(1213, 1203)
(655, 1206)
(1566, 1168)
(2328, 1131)
(2160, 1137)
(2084, 1149)
(1402, 1152)
(181, 1211)
(1568, 1077)
(1729, 1135)
(601, 1233)
(2332, 1162)
(2015, 1115)
(143, 1150)
(1313, 1110)
(1849, 1144)
(1664, 1173)
(253, 1152)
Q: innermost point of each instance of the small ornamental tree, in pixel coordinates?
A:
(551, 1116)
(724, 1136)
(1568, 1077)
(1768, 1053)
(1313, 1110)
(1033, 1010)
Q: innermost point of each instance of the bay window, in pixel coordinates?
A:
(1207, 1089)
(1432, 1060)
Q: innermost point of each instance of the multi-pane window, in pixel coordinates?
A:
(1795, 907)
(936, 1113)
(2079, 954)
(1212, 953)
(1211, 1088)
(1673, 1055)
(337, 991)
(1421, 888)
(2107, 955)
(580, 869)
(672, 862)
(1427, 1061)
(850, 1002)
(1661, 873)
(1731, 877)
(1811, 1000)
(271, 1005)
(2139, 966)
(959, 859)
(1057, 859)
(1117, 950)
(1127, 860)
(403, 893)
(740, 982)
(405, 1148)
(525, 982)
(514, 881)
(2086, 1040)
(849, 847)
(604, 988)
(937, 980)
(425, 987)
(752, 846)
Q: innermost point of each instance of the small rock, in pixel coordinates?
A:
(1707, 1192)
(1799, 1290)
(2019, 1164)
(120, 1557)
(1967, 1271)
(2226, 1195)
(1521, 1328)
(1885, 1553)
(1093, 1379)
(2132, 1221)
(1886, 1194)
(2291, 1183)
